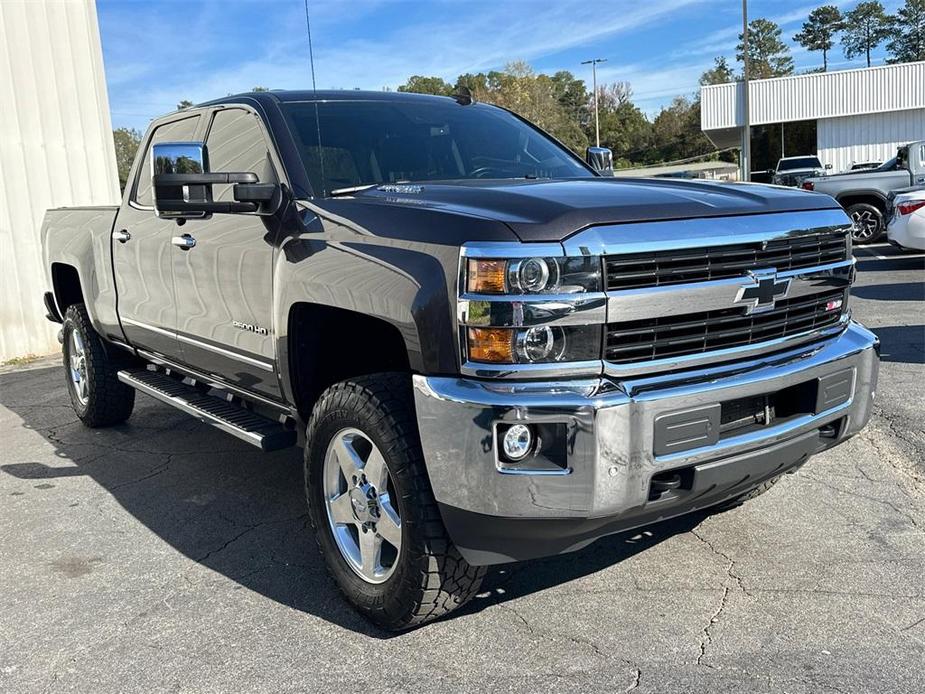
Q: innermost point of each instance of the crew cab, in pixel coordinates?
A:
(488, 351)
(865, 194)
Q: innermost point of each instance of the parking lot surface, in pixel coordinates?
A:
(163, 555)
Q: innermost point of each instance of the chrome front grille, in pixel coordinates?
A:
(680, 335)
(666, 267)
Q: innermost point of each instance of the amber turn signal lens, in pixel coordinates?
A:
(486, 276)
(493, 345)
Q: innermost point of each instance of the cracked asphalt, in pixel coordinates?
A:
(166, 556)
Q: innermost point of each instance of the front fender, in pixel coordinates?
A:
(411, 286)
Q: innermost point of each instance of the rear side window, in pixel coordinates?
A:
(236, 143)
(176, 131)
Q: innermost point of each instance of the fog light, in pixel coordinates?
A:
(517, 442)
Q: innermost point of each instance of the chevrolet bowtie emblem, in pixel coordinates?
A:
(765, 288)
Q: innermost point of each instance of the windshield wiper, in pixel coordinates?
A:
(352, 189)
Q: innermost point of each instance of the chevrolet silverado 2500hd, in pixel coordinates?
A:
(488, 351)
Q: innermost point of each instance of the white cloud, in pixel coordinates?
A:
(490, 35)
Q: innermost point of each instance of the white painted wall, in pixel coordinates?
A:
(871, 137)
(819, 95)
(56, 149)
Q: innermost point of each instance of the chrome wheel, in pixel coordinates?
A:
(77, 359)
(358, 495)
(866, 225)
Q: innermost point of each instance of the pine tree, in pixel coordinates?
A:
(818, 33)
(768, 56)
(908, 41)
(866, 27)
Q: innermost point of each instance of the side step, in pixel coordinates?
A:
(257, 430)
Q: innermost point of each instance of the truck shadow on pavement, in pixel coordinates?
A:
(221, 503)
(902, 343)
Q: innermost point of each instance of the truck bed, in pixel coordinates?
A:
(81, 237)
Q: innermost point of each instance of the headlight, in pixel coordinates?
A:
(533, 275)
(542, 344)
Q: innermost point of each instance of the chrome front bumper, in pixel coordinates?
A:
(611, 445)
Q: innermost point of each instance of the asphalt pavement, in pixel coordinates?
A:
(163, 555)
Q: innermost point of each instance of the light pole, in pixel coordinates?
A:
(597, 125)
(746, 157)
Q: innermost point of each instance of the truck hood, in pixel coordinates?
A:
(551, 210)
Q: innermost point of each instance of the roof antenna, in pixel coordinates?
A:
(311, 60)
(464, 96)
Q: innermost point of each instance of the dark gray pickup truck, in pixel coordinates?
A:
(488, 351)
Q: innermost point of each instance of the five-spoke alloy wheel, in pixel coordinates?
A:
(78, 359)
(97, 395)
(375, 518)
(358, 494)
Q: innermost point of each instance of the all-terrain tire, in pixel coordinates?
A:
(107, 400)
(430, 578)
(737, 501)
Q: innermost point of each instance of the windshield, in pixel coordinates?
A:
(799, 163)
(889, 165)
(371, 142)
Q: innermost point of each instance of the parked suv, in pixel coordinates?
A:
(488, 351)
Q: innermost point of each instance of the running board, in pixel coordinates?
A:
(265, 433)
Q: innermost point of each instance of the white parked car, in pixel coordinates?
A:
(907, 226)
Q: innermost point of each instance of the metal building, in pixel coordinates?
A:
(56, 149)
(845, 117)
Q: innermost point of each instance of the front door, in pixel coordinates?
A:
(143, 257)
(224, 283)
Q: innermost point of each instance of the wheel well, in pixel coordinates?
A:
(66, 284)
(850, 200)
(328, 345)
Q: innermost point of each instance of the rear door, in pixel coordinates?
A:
(143, 257)
(224, 284)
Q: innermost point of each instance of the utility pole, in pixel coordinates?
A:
(746, 158)
(597, 124)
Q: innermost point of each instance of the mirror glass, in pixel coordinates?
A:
(179, 158)
(600, 159)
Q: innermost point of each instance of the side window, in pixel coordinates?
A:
(236, 143)
(177, 131)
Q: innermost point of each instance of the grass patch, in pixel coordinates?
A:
(21, 361)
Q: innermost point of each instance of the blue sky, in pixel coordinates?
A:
(158, 52)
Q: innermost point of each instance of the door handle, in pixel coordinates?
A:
(122, 235)
(184, 242)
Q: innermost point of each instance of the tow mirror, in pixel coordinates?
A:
(600, 159)
(183, 185)
(828, 166)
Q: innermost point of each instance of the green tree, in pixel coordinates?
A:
(427, 85)
(908, 41)
(260, 89)
(624, 127)
(676, 132)
(186, 103)
(818, 33)
(548, 101)
(126, 141)
(866, 27)
(720, 73)
(768, 56)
